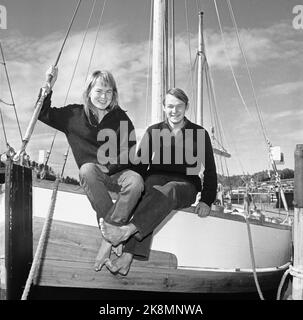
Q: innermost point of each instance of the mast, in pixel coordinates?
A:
(171, 74)
(158, 83)
(201, 60)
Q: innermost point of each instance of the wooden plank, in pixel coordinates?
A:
(80, 275)
(80, 243)
(18, 229)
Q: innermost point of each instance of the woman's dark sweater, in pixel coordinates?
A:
(83, 136)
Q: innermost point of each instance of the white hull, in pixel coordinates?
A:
(212, 242)
(219, 242)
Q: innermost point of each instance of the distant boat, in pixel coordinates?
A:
(222, 254)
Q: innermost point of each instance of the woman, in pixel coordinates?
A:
(84, 126)
(176, 149)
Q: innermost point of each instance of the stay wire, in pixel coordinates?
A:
(10, 90)
(3, 126)
(67, 33)
(148, 63)
(73, 75)
(229, 61)
(42, 240)
(249, 72)
(189, 51)
(95, 41)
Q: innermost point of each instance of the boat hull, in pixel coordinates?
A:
(69, 258)
(217, 241)
(186, 257)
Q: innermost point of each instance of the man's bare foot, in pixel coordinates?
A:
(115, 234)
(103, 254)
(120, 265)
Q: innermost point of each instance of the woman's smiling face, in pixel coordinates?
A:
(101, 94)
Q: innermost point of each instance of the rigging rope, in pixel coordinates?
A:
(148, 63)
(95, 41)
(213, 96)
(73, 75)
(44, 93)
(189, 51)
(194, 70)
(67, 33)
(249, 72)
(3, 126)
(173, 45)
(267, 142)
(252, 256)
(38, 254)
(37, 258)
(10, 90)
(229, 61)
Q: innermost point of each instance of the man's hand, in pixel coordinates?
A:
(103, 168)
(202, 209)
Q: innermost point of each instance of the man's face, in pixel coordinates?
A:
(174, 109)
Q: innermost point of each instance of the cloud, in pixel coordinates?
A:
(260, 44)
(28, 58)
(284, 88)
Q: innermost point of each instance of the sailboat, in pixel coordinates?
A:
(223, 254)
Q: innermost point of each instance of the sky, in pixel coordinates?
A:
(272, 46)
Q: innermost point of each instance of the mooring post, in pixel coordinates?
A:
(17, 233)
(297, 287)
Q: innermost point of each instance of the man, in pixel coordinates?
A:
(171, 154)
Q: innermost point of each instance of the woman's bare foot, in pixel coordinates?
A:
(103, 254)
(121, 264)
(115, 234)
(117, 250)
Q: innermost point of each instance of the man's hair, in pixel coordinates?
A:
(178, 93)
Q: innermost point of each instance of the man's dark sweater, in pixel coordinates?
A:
(162, 152)
(82, 135)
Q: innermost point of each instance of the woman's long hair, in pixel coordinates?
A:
(108, 79)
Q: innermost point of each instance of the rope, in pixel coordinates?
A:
(6, 103)
(213, 95)
(42, 240)
(251, 249)
(10, 90)
(67, 33)
(189, 51)
(293, 271)
(229, 61)
(3, 126)
(73, 75)
(194, 69)
(282, 283)
(44, 93)
(173, 46)
(248, 71)
(36, 261)
(267, 142)
(95, 42)
(148, 63)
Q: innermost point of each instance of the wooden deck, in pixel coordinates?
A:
(69, 258)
